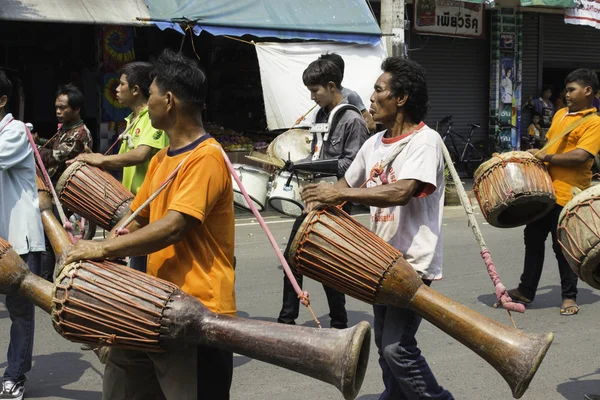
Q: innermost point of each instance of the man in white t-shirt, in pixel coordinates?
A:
(21, 226)
(406, 200)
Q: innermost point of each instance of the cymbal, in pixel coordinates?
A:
(265, 159)
(294, 144)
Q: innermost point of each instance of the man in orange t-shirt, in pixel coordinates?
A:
(188, 232)
(569, 162)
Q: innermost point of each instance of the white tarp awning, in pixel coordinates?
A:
(109, 12)
(281, 67)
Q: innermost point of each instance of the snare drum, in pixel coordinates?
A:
(285, 198)
(513, 189)
(255, 181)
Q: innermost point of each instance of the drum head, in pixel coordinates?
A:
(289, 207)
(64, 178)
(521, 210)
(240, 202)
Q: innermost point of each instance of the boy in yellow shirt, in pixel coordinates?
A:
(188, 232)
(141, 140)
(569, 162)
(534, 133)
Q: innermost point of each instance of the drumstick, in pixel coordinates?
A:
(49, 140)
(304, 116)
(302, 295)
(501, 293)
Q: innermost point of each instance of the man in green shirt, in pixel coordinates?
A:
(140, 141)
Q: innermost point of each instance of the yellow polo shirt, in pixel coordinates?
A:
(586, 137)
(142, 133)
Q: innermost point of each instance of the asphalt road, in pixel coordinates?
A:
(571, 368)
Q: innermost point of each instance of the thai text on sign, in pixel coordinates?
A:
(449, 18)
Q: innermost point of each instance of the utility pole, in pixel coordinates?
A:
(392, 26)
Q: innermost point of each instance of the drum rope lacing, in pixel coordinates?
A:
(572, 237)
(358, 267)
(501, 188)
(65, 221)
(111, 308)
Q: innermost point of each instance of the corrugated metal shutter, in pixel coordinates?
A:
(566, 44)
(457, 80)
(531, 64)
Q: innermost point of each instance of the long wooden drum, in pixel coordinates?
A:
(97, 303)
(579, 235)
(108, 304)
(334, 249)
(94, 194)
(513, 189)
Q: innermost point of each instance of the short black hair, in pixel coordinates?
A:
(74, 95)
(321, 72)
(176, 73)
(5, 85)
(408, 78)
(337, 60)
(138, 74)
(584, 77)
(535, 114)
(547, 87)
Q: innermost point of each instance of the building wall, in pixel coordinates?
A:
(457, 79)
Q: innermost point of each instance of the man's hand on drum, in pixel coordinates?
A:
(86, 250)
(316, 193)
(94, 159)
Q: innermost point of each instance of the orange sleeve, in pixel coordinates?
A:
(590, 138)
(202, 183)
(143, 192)
(531, 130)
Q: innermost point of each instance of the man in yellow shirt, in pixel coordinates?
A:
(188, 232)
(141, 141)
(569, 162)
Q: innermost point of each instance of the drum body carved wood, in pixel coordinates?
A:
(338, 251)
(513, 189)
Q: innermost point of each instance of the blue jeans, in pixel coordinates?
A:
(406, 375)
(22, 316)
(139, 263)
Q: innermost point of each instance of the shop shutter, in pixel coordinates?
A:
(566, 44)
(531, 64)
(457, 80)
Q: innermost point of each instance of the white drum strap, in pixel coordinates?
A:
(318, 146)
